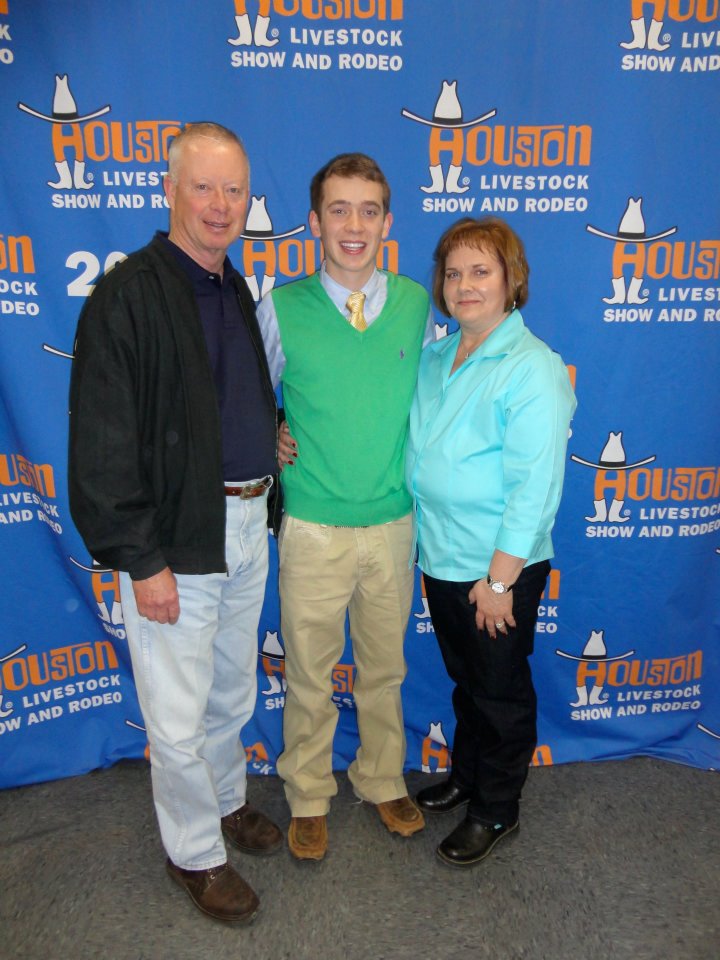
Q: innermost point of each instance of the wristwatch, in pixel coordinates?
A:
(497, 586)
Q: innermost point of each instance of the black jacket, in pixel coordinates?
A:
(145, 460)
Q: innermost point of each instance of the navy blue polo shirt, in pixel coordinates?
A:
(247, 414)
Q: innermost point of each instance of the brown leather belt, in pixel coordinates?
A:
(250, 490)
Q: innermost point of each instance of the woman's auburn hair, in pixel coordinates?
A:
(495, 237)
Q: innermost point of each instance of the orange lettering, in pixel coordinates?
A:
(675, 13)
(584, 134)
(9, 254)
(14, 674)
(256, 752)
(364, 14)
(552, 590)
(616, 487)
(116, 139)
(639, 483)
(105, 581)
(592, 671)
(63, 141)
(297, 256)
(266, 255)
(388, 256)
(704, 13)
(437, 750)
(97, 140)
(542, 756)
(273, 666)
(453, 145)
(337, 9)
(342, 678)
(618, 673)
(36, 676)
(283, 10)
(622, 257)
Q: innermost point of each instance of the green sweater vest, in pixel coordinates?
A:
(347, 399)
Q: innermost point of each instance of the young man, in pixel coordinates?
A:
(346, 344)
(172, 447)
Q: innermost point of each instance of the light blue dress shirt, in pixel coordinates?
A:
(486, 451)
(375, 291)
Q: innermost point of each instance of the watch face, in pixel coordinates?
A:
(497, 587)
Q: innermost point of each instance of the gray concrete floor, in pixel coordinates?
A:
(613, 860)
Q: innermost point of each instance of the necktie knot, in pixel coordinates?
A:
(355, 305)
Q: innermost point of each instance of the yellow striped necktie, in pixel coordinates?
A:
(355, 305)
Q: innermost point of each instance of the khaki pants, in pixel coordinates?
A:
(324, 572)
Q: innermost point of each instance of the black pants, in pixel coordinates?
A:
(494, 697)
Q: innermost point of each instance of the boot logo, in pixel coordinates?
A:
(609, 493)
(647, 46)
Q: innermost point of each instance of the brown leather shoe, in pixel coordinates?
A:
(308, 837)
(251, 831)
(220, 892)
(401, 816)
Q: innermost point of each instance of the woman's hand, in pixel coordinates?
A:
(287, 447)
(493, 611)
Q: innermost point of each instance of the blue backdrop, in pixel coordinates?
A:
(591, 126)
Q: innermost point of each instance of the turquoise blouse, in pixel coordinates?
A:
(486, 451)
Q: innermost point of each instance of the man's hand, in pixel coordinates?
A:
(157, 597)
(287, 447)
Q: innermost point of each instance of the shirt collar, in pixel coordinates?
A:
(503, 338)
(337, 292)
(500, 342)
(195, 272)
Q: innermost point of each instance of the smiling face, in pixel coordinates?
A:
(475, 290)
(351, 223)
(208, 199)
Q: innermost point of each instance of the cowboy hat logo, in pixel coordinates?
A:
(594, 651)
(65, 110)
(447, 115)
(630, 230)
(612, 457)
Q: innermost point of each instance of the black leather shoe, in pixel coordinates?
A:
(442, 797)
(470, 842)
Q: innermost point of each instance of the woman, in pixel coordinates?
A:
(486, 453)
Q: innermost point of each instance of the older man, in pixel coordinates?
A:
(172, 449)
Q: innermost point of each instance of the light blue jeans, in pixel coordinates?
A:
(196, 683)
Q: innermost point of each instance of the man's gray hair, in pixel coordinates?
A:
(207, 130)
